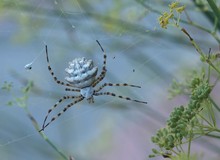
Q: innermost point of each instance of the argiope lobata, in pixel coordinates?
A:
(81, 77)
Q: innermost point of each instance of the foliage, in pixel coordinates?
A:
(197, 118)
(22, 102)
(186, 122)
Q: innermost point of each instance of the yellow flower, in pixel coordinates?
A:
(173, 5)
(164, 19)
(180, 9)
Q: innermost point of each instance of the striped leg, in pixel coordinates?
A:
(102, 75)
(115, 84)
(52, 73)
(55, 105)
(71, 89)
(122, 97)
(64, 110)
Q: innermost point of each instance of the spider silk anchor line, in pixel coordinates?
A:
(81, 77)
(29, 65)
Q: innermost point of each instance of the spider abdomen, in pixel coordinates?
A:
(81, 72)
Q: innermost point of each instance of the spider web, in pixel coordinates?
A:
(136, 54)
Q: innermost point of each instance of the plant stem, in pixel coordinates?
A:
(36, 126)
(205, 119)
(198, 49)
(189, 22)
(174, 152)
(214, 8)
(211, 113)
(214, 104)
(213, 136)
(189, 144)
(54, 147)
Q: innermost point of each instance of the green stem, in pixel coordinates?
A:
(214, 104)
(204, 119)
(207, 129)
(53, 146)
(213, 33)
(174, 152)
(208, 14)
(211, 113)
(36, 126)
(178, 149)
(213, 136)
(198, 49)
(215, 25)
(189, 144)
(214, 8)
(216, 129)
(183, 21)
(181, 148)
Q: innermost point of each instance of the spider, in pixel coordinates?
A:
(81, 77)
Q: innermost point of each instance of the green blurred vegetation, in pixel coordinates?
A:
(185, 123)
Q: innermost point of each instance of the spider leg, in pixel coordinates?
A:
(70, 89)
(115, 84)
(64, 110)
(52, 73)
(102, 75)
(119, 96)
(55, 105)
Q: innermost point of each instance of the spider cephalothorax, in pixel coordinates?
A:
(81, 77)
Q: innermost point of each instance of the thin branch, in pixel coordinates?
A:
(36, 126)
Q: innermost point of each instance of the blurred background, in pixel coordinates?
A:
(138, 52)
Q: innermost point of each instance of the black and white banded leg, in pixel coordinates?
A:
(55, 105)
(119, 96)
